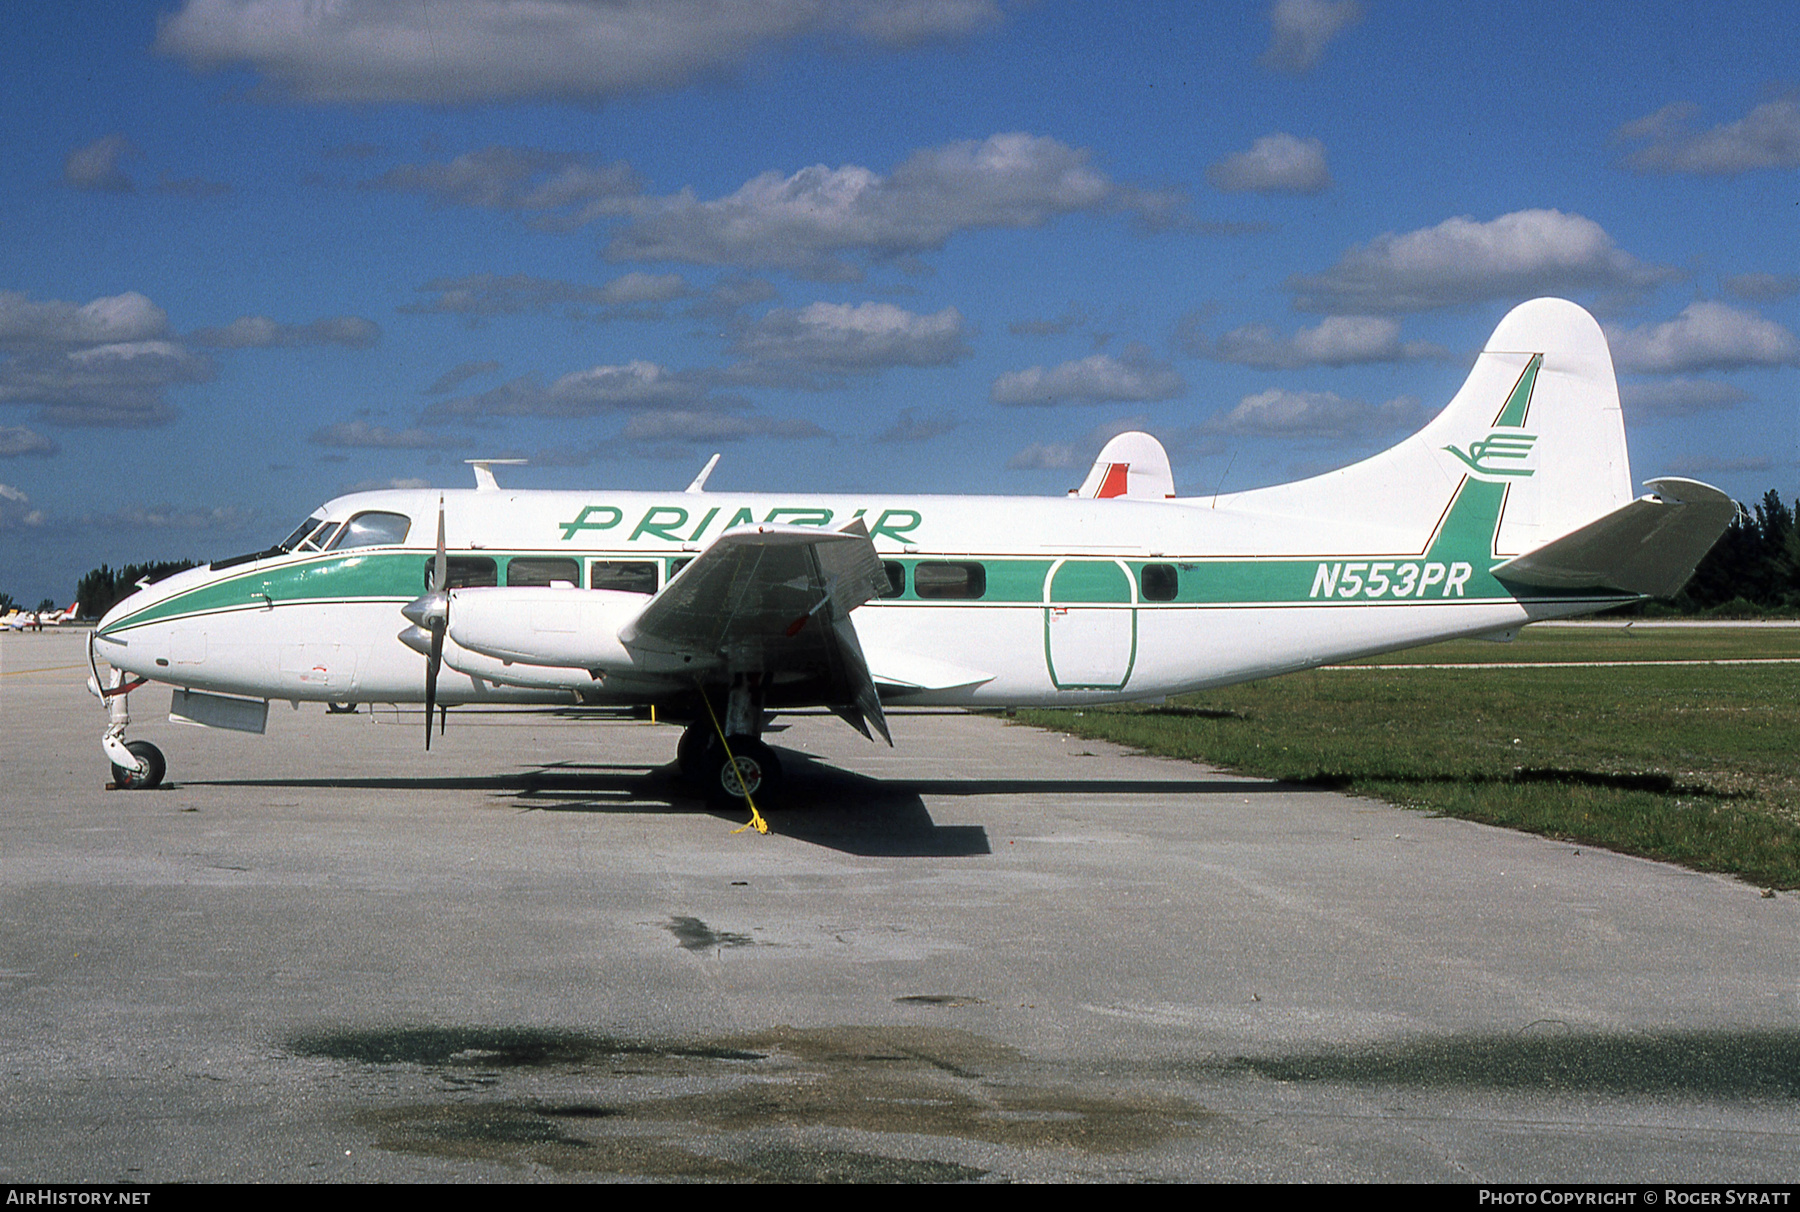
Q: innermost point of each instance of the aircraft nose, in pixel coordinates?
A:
(124, 606)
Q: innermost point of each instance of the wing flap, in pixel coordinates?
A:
(1649, 546)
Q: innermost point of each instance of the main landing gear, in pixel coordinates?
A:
(727, 757)
(738, 769)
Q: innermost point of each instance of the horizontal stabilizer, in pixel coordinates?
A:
(1649, 546)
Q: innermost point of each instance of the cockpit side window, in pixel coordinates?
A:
(375, 529)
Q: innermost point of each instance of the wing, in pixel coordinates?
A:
(774, 600)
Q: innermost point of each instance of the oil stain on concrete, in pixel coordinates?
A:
(743, 1108)
(692, 934)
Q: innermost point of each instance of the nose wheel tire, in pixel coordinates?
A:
(154, 768)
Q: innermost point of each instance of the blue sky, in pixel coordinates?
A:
(260, 252)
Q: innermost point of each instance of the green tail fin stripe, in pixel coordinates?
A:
(1471, 525)
(1512, 416)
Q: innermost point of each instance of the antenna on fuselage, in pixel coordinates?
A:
(484, 475)
(1221, 484)
(699, 484)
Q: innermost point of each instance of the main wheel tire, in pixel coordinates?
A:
(154, 768)
(752, 772)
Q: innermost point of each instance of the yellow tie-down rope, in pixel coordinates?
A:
(756, 819)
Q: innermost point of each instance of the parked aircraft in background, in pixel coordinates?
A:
(37, 620)
(725, 609)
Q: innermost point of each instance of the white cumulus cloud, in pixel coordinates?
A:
(1094, 379)
(25, 325)
(627, 387)
(16, 510)
(680, 426)
(844, 337)
(97, 166)
(361, 434)
(475, 297)
(1300, 29)
(810, 222)
(16, 440)
(1315, 414)
(260, 332)
(469, 51)
(1762, 288)
(1705, 336)
(1462, 260)
(914, 426)
(1767, 137)
(1336, 341)
(553, 189)
(1275, 164)
(106, 363)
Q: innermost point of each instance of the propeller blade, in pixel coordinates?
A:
(440, 571)
(431, 676)
(439, 622)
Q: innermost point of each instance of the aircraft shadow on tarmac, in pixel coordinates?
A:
(819, 803)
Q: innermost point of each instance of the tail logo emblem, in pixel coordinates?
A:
(1498, 454)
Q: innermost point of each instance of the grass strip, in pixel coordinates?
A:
(1688, 764)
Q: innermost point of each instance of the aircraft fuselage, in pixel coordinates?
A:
(998, 600)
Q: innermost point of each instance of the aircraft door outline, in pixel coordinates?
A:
(1090, 624)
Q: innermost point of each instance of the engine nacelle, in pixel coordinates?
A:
(576, 628)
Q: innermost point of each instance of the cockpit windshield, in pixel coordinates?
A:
(373, 529)
(301, 533)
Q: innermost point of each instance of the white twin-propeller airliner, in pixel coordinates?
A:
(724, 609)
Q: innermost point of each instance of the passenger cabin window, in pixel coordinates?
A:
(542, 570)
(373, 530)
(466, 572)
(676, 566)
(623, 576)
(943, 579)
(1159, 583)
(896, 578)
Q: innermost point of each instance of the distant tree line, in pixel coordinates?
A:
(7, 602)
(103, 588)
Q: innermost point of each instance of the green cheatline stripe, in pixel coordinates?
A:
(1454, 568)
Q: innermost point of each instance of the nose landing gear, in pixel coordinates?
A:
(136, 765)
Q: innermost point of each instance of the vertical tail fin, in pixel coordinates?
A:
(1537, 419)
(1132, 465)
